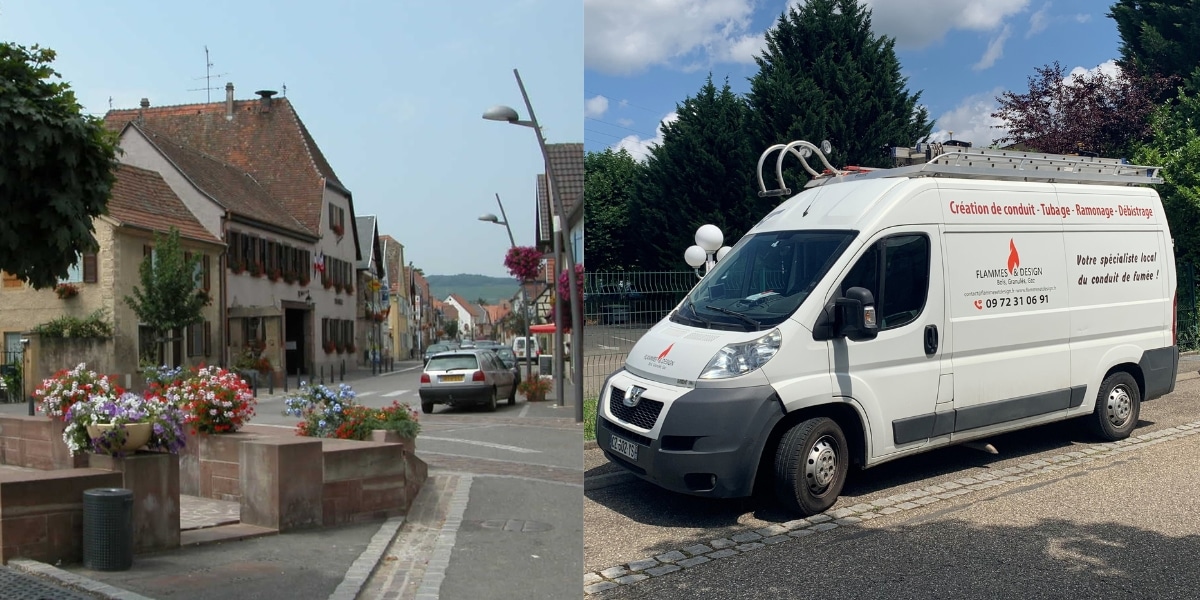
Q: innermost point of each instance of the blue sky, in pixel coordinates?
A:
(644, 56)
(393, 92)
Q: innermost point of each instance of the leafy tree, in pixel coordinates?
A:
(1093, 112)
(610, 181)
(702, 172)
(167, 299)
(451, 329)
(1176, 147)
(1158, 38)
(56, 169)
(825, 76)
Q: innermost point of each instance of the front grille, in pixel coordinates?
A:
(644, 415)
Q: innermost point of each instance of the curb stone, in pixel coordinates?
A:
(676, 560)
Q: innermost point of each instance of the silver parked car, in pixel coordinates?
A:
(466, 377)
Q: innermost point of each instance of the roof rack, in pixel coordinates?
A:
(966, 163)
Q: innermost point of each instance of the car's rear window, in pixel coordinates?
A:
(439, 348)
(453, 362)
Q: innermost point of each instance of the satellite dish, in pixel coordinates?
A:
(826, 147)
(805, 152)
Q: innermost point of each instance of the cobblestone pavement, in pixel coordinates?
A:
(15, 585)
(748, 540)
(407, 561)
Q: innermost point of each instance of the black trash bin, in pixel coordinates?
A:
(108, 529)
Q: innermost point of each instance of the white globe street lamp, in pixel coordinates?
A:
(708, 249)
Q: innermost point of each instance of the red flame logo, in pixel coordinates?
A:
(664, 352)
(1014, 259)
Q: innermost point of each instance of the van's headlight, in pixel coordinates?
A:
(738, 359)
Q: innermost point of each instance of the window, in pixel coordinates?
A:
(199, 339)
(901, 288)
(252, 331)
(147, 345)
(75, 272)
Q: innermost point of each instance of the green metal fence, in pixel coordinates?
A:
(618, 308)
(1187, 325)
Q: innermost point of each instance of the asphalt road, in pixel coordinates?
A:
(1123, 527)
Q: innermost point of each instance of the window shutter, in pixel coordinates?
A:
(206, 267)
(207, 333)
(89, 269)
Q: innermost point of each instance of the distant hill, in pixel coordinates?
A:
(472, 287)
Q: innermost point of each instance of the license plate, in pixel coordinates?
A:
(450, 378)
(625, 448)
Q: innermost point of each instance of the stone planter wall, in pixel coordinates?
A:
(41, 512)
(35, 442)
(154, 479)
(209, 465)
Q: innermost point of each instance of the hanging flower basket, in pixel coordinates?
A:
(523, 262)
(66, 290)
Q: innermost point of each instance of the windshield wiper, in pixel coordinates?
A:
(734, 313)
(702, 320)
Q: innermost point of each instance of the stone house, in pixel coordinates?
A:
(255, 177)
(371, 307)
(141, 205)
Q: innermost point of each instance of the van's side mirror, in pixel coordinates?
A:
(855, 315)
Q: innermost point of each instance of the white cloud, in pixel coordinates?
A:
(995, 50)
(972, 120)
(1038, 21)
(640, 148)
(1108, 67)
(595, 107)
(623, 122)
(624, 37)
(919, 23)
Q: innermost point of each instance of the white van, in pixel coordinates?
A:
(520, 344)
(885, 313)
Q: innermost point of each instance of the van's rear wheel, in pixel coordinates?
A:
(810, 466)
(1118, 405)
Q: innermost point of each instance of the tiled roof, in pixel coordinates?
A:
(475, 311)
(274, 146)
(567, 162)
(142, 199)
(228, 185)
(496, 313)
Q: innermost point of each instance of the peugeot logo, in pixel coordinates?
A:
(633, 397)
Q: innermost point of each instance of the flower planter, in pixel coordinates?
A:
(136, 435)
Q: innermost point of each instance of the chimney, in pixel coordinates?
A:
(142, 106)
(264, 102)
(229, 101)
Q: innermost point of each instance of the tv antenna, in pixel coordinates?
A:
(208, 75)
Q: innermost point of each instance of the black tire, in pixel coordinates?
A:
(1118, 405)
(810, 466)
(512, 394)
(427, 407)
(491, 404)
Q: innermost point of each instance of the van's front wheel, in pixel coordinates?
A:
(1118, 405)
(810, 466)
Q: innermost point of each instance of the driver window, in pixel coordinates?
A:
(901, 288)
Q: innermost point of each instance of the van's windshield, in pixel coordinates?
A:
(763, 279)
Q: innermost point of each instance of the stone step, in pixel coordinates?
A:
(223, 533)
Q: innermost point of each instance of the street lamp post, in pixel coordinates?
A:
(505, 113)
(524, 294)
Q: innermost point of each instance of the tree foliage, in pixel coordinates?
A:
(56, 169)
(1092, 112)
(168, 299)
(825, 76)
(1158, 37)
(609, 189)
(451, 329)
(702, 172)
(1175, 146)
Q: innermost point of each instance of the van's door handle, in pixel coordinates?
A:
(931, 340)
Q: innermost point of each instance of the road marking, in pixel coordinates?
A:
(625, 339)
(361, 394)
(484, 444)
(394, 394)
(524, 410)
(400, 371)
(603, 347)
